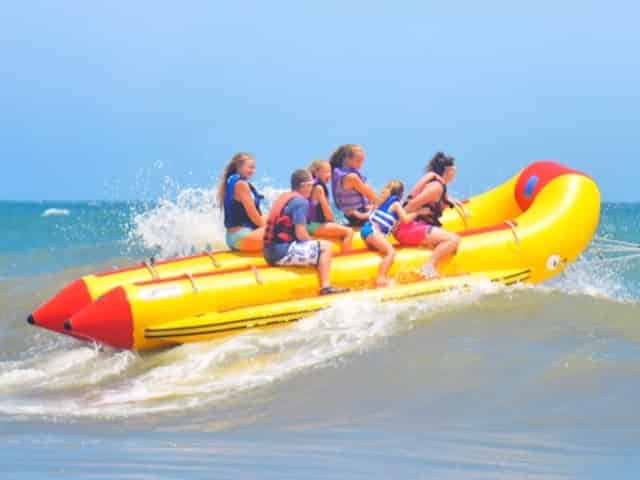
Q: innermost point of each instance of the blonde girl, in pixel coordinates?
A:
(320, 216)
(241, 203)
(382, 223)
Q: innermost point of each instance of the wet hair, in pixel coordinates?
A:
(232, 167)
(316, 165)
(439, 163)
(342, 153)
(394, 187)
(299, 177)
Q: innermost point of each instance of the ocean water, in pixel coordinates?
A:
(495, 383)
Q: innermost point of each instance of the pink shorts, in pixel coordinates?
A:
(412, 234)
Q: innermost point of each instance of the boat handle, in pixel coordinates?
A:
(149, 265)
(193, 282)
(213, 259)
(513, 231)
(256, 273)
(462, 213)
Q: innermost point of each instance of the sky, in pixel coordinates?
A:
(112, 100)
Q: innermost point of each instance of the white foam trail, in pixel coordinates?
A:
(63, 212)
(203, 374)
(184, 224)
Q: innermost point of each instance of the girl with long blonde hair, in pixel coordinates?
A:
(320, 214)
(241, 204)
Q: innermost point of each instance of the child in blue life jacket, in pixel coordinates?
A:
(382, 223)
(320, 214)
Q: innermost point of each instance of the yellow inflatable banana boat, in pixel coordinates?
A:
(525, 230)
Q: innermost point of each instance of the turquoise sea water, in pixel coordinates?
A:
(525, 382)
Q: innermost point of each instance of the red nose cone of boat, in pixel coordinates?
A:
(71, 299)
(108, 320)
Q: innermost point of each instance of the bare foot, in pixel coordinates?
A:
(429, 272)
(382, 282)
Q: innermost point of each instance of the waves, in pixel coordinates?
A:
(566, 352)
(561, 343)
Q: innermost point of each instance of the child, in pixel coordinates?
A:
(286, 238)
(241, 204)
(320, 215)
(382, 222)
(351, 193)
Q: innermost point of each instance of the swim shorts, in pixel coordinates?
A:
(301, 254)
(412, 234)
(234, 239)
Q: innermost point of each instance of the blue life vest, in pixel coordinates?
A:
(235, 214)
(382, 218)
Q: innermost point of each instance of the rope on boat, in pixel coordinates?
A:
(149, 265)
(615, 259)
(610, 242)
(513, 230)
(193, 282)
(462, 212)
(213, 259)
(256, 273)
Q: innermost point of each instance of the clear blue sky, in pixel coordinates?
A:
(96, 95)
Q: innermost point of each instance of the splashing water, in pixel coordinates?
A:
(186, 224)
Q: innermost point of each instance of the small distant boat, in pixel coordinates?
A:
(525, 230)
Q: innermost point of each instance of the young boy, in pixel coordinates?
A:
(286, 239)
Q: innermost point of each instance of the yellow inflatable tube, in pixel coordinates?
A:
(527, 229)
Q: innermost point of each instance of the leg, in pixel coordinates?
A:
(253, 242)
(381, 244)
(316, 253)
(332, 230)
(443, 243)
(324, 264)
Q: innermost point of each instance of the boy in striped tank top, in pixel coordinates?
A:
(383, 222)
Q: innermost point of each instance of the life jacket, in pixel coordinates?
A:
(347, 200)
(384, 219)
(436, 208)
(315, 213)
(280, 227)
(235, 215)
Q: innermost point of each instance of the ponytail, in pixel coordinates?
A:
(439, 163)
(394, 187)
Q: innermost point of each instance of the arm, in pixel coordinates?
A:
(299, 219)
(302, 233)
(403, 215)
(431, 193)
(352, 180)
(242, 193)
(321, 198)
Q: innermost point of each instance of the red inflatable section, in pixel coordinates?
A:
(107, 320)
(52, 315)
(534, 178)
